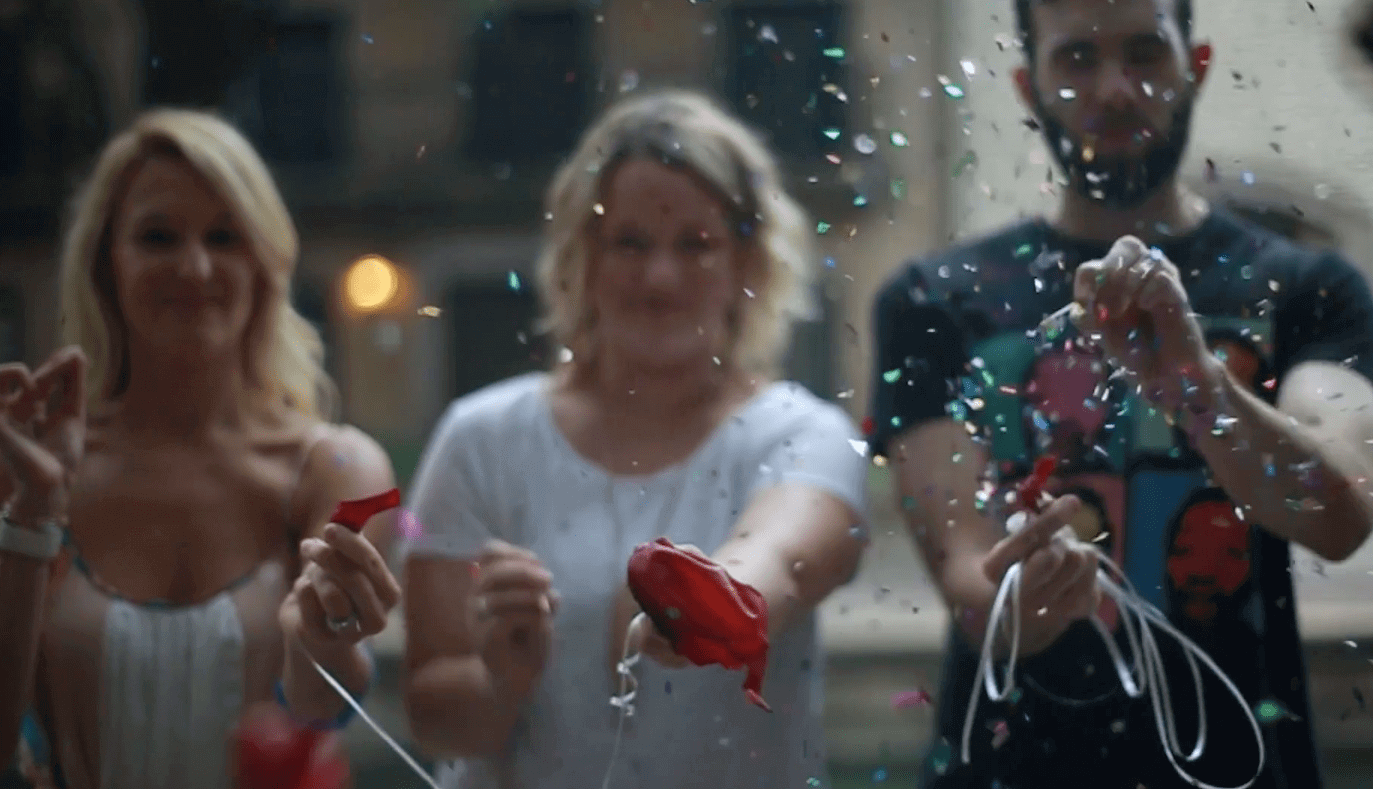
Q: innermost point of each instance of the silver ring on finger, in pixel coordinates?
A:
(340, 625)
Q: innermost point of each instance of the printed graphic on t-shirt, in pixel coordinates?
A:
(1147, 499)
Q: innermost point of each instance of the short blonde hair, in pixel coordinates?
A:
(284, 353)
(685, 130)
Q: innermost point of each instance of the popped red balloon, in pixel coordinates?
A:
(708, 616)
(273, 752)
(354, 514)
(1029, 491)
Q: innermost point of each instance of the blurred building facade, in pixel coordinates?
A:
(424, 132)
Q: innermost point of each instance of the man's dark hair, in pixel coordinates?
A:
(1024, 22)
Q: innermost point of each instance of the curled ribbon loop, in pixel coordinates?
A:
(1146, 675)
(709, 617)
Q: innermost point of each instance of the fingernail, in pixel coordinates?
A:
(331, 530)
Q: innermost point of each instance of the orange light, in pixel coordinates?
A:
(371, 283)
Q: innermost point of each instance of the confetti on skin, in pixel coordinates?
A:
(910, 698)
(864, 144)
(822, 228)
(514, 281)
(892, 376)
(899, 140)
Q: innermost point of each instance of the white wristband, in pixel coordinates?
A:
(43, 543)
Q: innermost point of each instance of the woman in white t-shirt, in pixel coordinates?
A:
(674, 267)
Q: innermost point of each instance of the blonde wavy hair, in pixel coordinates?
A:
(283, 354)
(684, 130)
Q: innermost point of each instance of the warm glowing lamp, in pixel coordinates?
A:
(371, 282)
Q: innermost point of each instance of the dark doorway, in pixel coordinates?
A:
(309, 301)
(493, 334)
(784, 68)
(812, 358)
(11, 325)
(532, 81)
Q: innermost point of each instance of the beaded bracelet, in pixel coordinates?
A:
(344, 717)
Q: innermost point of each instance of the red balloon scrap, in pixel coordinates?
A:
(709, 617)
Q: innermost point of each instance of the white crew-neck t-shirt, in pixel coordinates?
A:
(497, 466)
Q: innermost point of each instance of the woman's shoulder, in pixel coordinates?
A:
(322, 451)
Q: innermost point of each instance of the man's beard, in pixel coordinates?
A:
(1124, 181)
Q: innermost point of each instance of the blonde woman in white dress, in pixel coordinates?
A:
(192, 466)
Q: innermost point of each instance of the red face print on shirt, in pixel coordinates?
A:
(1063, 388)
(1209, 558)
(1240, 360)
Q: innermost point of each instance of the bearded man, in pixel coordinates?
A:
(1207, 360)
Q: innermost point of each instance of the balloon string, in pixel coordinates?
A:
(629, 687)
(1147, 673)
(352, 702)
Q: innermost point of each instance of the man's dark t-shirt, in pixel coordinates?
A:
(957, 336)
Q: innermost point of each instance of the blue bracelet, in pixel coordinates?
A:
(346, 716)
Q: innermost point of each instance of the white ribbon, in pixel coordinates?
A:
(376, 727)
(1147, 674)
(629, 687)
